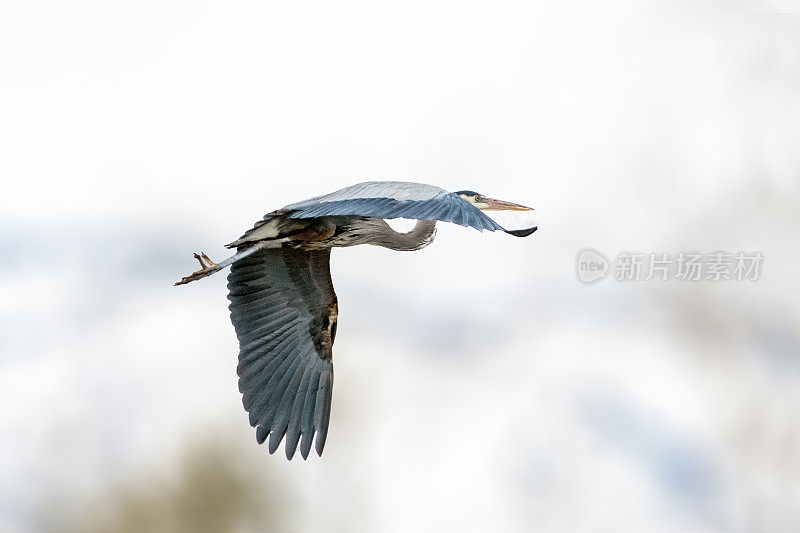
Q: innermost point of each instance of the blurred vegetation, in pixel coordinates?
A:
(211, 491)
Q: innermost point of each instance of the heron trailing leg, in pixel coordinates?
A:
(208, 267)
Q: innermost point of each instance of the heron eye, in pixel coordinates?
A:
(477, 198)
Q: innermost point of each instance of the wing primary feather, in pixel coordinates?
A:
(260, 372)
(261, 434)
(323, 410)
(267, 338)
(281, 300)
(283, 410)
(457, 215)
(441, 212)
(422, 210)
(263, 400)
(275, 387)
(263, 348)
(308, 415)
(294, 427)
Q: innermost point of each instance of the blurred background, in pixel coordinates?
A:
(479, 385)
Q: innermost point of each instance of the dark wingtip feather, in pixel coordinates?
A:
(292, 440)
(252, 415)
(275, 439)
(522, 232)
(305, 449)
(322, 432)
(290, 449)
(261, 434)
(320, 443)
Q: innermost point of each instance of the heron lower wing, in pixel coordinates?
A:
(284, 310)
(448, 207)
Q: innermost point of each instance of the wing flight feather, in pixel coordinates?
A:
(284, 310)
(394, 199)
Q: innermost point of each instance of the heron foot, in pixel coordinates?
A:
(203, 257)
(207, 267)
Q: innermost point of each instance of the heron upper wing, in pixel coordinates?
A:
(395, 199)
(284, 310)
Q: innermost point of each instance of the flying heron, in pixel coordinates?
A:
(283, 306)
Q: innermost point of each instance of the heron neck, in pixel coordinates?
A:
(419, 237)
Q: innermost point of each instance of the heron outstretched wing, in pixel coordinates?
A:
(284, 310)
(395, 199)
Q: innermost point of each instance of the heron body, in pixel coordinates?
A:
(283, 305)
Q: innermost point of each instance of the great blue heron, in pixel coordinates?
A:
(283, 306)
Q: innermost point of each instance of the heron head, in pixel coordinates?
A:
(485, 203)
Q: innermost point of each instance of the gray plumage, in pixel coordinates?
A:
(395, 199)
(283, 306)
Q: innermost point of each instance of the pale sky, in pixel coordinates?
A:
(479, 385)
